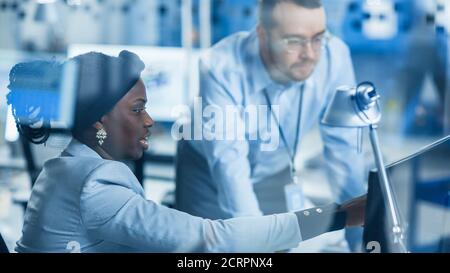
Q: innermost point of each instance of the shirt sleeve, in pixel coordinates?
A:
(112, 210)
(316, 221)
(344, 163)
(224, 145)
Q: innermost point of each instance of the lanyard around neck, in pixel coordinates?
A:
(283, 136)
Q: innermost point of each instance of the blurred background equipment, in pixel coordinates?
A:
(379, 26)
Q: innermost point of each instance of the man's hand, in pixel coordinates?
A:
(355, 209)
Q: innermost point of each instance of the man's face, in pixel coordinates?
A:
(294, 42)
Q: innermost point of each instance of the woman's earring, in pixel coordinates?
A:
(101, 136)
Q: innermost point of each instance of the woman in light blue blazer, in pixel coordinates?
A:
(87, 200)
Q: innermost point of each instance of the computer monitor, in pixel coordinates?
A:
(170, 75)
(57, 96)
(421, 189)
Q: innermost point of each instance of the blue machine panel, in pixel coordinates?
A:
(229, 16)
(377, 25)
(169, 22)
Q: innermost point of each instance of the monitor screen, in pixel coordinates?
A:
(421, 189)
(170, 75)
(56, 91)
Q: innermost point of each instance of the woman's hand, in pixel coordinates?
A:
(355, 209)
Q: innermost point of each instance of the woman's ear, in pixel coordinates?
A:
(263, 37)
(261, 32)
(98, 125)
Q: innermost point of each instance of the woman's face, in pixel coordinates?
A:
(127, 126)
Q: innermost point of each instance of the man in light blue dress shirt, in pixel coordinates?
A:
(292, 65)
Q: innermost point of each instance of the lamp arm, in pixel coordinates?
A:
(386, 188)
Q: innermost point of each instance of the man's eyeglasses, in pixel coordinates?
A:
(298, 44)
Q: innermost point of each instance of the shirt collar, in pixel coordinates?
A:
(76, 148)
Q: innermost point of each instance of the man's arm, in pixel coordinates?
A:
(344, 163)
(227, 157)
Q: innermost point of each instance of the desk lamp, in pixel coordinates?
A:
(358, 108)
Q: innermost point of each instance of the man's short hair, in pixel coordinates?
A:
(265, 8)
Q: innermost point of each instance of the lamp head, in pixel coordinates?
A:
(353, 107)
(366, 95)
